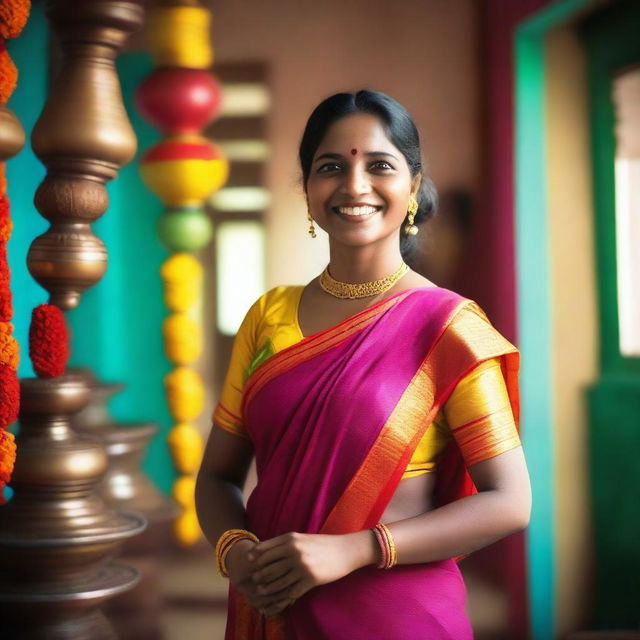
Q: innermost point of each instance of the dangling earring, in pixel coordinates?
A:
(412, 209)
(312, 229)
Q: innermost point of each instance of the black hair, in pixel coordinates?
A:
(399, 128)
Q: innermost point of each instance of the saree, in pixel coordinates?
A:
(334, 420)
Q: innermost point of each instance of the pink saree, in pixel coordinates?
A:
(334, 420)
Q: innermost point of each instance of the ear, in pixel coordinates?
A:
(415, 185)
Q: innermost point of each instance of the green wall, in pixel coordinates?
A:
(612, 42)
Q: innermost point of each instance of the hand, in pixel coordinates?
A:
(287, 566)
(240, 567)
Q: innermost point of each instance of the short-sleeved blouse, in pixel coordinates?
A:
(477, 413)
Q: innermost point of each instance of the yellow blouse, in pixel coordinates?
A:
(477, 414)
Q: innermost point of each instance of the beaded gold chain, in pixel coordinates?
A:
(346, 290)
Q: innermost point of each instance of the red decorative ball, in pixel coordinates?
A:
(48, 341)
(9, 396)
(179, 100)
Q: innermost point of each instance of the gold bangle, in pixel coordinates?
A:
(224, 544)
(390, 552)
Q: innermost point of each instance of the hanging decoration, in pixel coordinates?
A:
(13, 17)
(180, 97)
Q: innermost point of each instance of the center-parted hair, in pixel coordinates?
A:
(399, 128)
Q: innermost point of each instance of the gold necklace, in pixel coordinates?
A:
(362, 289)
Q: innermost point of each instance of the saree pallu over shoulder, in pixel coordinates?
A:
(336, 418)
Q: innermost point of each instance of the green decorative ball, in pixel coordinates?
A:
(185, 229)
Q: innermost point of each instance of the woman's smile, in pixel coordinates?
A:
(356, 212)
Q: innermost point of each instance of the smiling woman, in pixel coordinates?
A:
(381, 410)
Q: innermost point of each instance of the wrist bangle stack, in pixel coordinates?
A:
(387, 546)
(224, 544)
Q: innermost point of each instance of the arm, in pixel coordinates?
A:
(502, 506)
(220, 507)
(480, 417)
(291, 564)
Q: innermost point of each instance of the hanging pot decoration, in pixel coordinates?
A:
(180, 97)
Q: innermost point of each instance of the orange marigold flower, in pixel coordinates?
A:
(13, 17)
(6, 309)
(8, 76)
(7, 455)
(9, 350)
(6, 224)
(9, 396)
(3, 179)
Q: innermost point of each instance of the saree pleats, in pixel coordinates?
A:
(334, 420)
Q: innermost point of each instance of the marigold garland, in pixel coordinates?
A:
(13, 17)
(48, 341)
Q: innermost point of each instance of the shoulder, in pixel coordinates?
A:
(275, 301)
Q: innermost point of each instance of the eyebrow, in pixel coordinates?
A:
(337, 156)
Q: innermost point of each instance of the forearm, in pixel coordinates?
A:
(219, 506)
(456, 529)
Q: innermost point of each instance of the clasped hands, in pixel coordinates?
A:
(274, 573)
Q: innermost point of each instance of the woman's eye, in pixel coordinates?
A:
(329, 167)
(381, 165)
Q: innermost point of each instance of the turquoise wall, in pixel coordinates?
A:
(117, 327)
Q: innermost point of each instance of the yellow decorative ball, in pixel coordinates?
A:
(183, 171)
(182, 275)
(184, 492)
(185, 443)
(185, 393)
(186, 528)
(182, 338)
(179, 37)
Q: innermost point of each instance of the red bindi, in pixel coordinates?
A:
(353, 152)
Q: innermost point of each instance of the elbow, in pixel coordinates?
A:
(520, 511)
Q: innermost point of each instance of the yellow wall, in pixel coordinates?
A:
(574, 316)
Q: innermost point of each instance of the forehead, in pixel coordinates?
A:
(361, 131)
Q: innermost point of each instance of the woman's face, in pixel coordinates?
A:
(359, 185)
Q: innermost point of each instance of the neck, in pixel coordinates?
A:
(363, 264)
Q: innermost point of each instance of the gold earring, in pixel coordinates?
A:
(412, 209)
(312, 229)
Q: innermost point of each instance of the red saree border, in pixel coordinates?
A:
(466, 340)
(315, 344)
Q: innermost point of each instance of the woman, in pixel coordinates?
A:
(380, 408)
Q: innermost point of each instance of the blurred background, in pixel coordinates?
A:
(529, 114)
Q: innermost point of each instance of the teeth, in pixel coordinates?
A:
(357, 211)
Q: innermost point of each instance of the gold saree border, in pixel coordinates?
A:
(315, 344)
(467, 338)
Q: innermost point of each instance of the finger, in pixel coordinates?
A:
(301, 587)
(265, 545)
(281, 552)
(277, 607)
(282, 584)
(271, 572)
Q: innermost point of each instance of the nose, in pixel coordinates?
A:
(355, 181)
